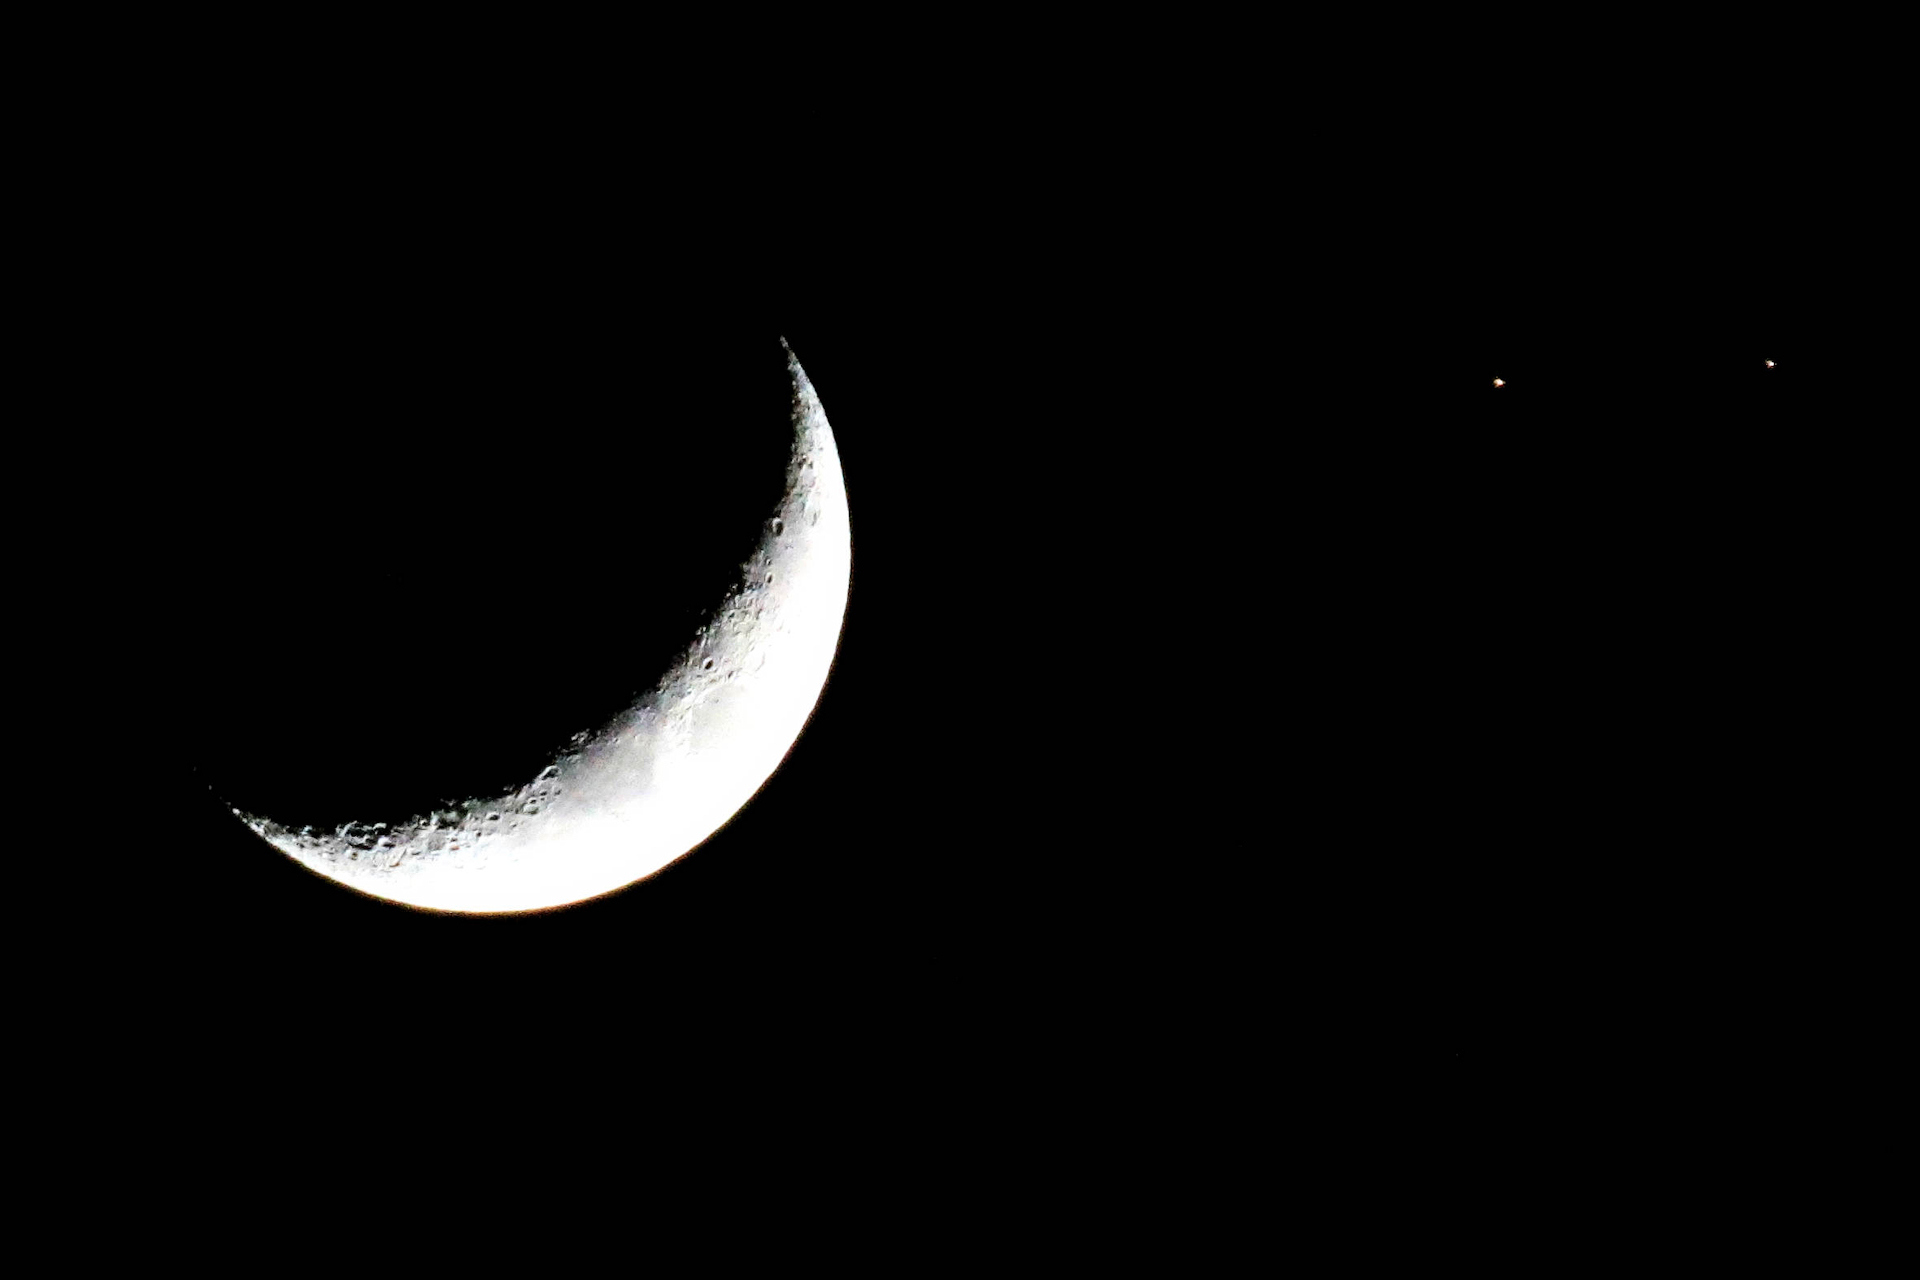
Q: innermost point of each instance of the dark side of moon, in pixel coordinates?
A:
(424, 549)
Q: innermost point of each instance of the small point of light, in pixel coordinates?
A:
(1769, 364)
(1501, 382)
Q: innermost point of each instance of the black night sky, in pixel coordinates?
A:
(1224, 648)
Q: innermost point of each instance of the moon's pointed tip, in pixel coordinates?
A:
(794, 367)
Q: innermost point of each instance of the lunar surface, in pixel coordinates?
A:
(630, 796)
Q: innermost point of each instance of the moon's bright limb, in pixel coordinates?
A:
(639, 792)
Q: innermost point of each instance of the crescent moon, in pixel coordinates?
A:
(628, 798)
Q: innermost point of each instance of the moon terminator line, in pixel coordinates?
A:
(630, 796)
